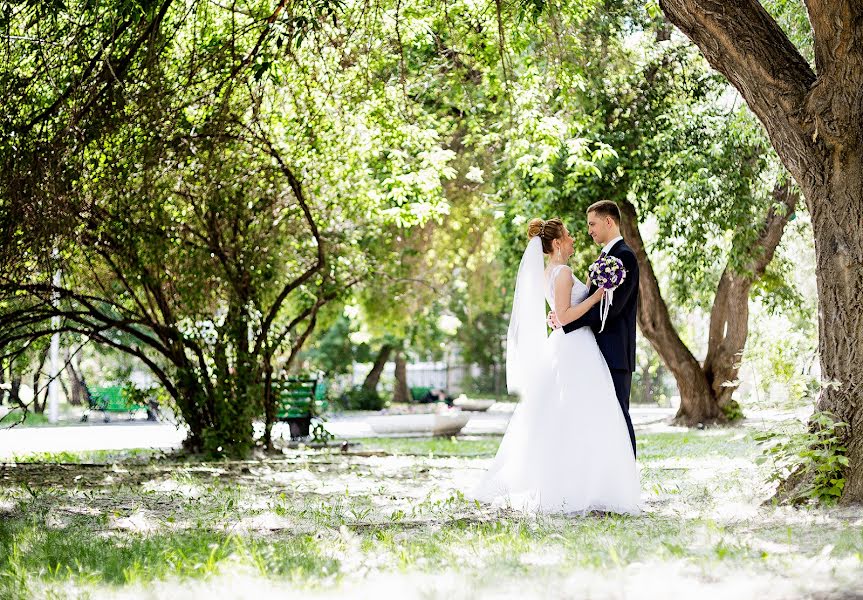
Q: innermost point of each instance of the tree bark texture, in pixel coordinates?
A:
(76, 393)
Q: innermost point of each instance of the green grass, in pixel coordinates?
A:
(433, 446)
(89, 457)
(73, 554)
(69, 417)
(18, 419)
(324, 519)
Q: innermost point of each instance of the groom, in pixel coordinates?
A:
(617, 340)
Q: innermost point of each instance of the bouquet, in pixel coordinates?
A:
(607, 272)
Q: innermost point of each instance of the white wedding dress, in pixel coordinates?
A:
(567, 448)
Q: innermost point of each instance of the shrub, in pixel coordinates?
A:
(809, 465)
(359, 398)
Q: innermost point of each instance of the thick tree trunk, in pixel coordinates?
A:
(816, 126)
(401, 393)
(834, 194)
(729, 327)
(37, 407)
(374, 376)
(836, 220)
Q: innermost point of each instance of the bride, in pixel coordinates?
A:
(567, 447)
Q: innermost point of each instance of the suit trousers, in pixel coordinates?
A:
(622, 385)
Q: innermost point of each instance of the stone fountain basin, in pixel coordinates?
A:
(473, 404)
(431, 423)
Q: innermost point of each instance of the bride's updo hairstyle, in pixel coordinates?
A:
(548, 231)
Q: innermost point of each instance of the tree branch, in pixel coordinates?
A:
(320, 262)
(729, 315)
(743, 42)
(78, 81)
(114, 74)
(833, 27)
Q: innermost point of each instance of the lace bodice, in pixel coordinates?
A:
(579, 290)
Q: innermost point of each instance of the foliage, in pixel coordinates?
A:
(319, 432)
(332, 352)
(216, 175)
(203, 217)
(360, 398)
(732, 411)
(815, 459)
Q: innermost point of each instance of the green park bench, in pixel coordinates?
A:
(429, 395)
(418, 392)
(298, 399)
(110, 400)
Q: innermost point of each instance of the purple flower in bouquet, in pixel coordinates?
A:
(607, 272)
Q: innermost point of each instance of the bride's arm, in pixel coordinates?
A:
(562, 292)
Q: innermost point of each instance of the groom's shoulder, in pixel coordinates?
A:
(623, 251)
(622, 248)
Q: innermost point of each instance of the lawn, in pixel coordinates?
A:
(388, 517)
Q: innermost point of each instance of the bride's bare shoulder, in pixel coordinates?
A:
(562, 269)
(555, 273)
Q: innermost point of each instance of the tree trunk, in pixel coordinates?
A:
(837, 214)
(816, 126)
(647, 382)
(697, 403)
(705, 390)
(269, 403)
(374, 376)
(190, 400)
(76, 393)
(14, 392)
(401, 393)
(39, 408)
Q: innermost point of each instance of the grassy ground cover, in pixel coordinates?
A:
(389, 516)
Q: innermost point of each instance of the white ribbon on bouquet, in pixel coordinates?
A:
(605, 306)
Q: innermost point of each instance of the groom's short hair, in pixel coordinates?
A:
(605, 208)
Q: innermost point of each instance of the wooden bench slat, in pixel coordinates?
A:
(295, 395)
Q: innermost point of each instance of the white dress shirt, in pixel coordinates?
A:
(611, 244)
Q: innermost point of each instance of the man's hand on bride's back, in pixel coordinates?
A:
(552, 321)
